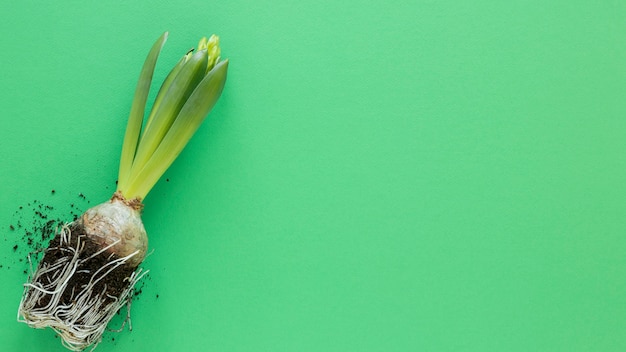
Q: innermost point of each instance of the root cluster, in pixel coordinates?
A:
(77, 288)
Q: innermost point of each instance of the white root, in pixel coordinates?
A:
(82, 322)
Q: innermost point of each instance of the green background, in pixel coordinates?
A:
(377, 176)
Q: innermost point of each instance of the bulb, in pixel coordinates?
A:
(117, 225)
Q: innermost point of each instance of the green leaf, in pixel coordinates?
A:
(137, 111)
(181, 87)
(165, 86)
(190, 117)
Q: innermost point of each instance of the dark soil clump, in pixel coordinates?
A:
(113, 284)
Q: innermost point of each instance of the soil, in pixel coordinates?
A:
(114, 283)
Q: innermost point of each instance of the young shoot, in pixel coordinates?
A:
(89, 269)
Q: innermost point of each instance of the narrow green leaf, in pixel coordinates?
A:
(135, 119)
(165, 86)
(177, 93)
(186, 124)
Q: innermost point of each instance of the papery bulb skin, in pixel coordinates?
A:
(117, 221)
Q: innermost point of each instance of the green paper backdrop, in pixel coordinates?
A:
(377, 176)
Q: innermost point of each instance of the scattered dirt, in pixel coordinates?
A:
(33, 225)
